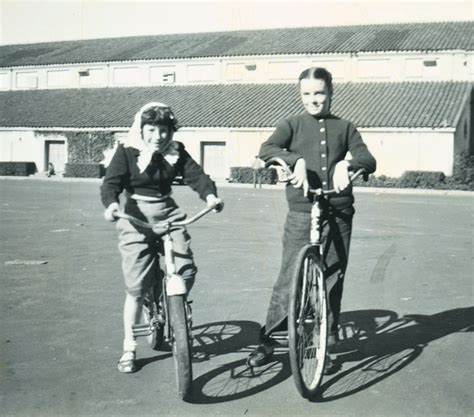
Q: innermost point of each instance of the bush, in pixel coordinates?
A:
(380, 181)
(88, 147)
(244, 175)
(421, 179)
(84, 170)
(463, 170)
(19, 169)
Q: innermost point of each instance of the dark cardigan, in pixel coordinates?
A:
(322, 142)
(123, 173)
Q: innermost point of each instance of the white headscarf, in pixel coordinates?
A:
(135, 140)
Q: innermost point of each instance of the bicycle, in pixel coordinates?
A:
(307, 313)
(166, 314)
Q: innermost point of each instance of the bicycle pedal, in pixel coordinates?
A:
(141, 330)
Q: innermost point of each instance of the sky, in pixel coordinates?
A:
(45, 20)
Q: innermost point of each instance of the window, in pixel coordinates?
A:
(339, 69)
(373, 68)
(421, 68)
(234, 72)
(90, 77)
(283, 70)
(127, 75)
(202, 72)
(58, 78)
(27, 80)
(4, 80)
(162, 75)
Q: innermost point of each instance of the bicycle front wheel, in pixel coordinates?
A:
(181, 345)
(307, 322)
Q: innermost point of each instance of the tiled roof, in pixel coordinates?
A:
(312, 40)
(421, 104)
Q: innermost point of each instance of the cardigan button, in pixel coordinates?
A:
(322, 129)
(323, 142)
(324, 168)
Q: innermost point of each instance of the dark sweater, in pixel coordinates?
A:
(322, 142)
(123, 173)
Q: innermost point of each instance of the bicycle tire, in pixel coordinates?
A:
(181, 345)
(307, 322)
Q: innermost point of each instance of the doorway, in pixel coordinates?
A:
(214, 160)
(55, 151)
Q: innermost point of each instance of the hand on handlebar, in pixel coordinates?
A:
(213, 202)
(340, 177)
(299, 177)
(110, 211)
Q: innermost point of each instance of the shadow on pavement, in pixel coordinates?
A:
(233, 380)
(381, 344)
(220, 338)
(142, 362)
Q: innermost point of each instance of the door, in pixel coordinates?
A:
(56, 154)
(214, 160)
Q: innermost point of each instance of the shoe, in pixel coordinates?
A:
(126, 364)
(260, 356)
(330, 366)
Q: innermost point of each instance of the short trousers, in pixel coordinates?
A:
(139, 247)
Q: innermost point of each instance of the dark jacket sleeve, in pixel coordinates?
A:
(194, 175)
(115, 176)
(278, 143)
(361, 156)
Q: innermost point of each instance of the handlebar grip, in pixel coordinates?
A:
(280, 162)
(358, 173)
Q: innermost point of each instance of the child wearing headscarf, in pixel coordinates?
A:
(145, 165)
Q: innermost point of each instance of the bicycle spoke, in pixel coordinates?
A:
(310, 302)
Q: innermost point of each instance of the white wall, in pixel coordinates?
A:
(27, 146)
(395, 151)
(358, 67)
(400, 151)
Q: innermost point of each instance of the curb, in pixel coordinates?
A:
(281, 186)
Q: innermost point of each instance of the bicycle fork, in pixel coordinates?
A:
(173, 285)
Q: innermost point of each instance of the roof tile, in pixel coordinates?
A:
(413, 104)
(315, 40)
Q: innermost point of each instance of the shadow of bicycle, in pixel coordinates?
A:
(233, 380)
(375, 344)
(380, 343)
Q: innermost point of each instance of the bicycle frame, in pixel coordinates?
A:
(173, 283)
(307, 305)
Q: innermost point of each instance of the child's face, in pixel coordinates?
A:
(315, 96)
(156, 137)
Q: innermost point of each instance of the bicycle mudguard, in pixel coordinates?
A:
(175, 285)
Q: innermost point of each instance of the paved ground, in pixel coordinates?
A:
(407, 321)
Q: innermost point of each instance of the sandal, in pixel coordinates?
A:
(126, 364)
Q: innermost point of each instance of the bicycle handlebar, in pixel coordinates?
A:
(317, 191)
(165, 224)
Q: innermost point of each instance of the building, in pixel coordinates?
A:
(407, 87)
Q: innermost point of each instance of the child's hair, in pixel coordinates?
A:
(159, 116)
(317, 73)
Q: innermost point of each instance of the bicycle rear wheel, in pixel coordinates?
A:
(307, 322)
(181, 345)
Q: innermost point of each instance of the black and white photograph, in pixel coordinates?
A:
(236, 208)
